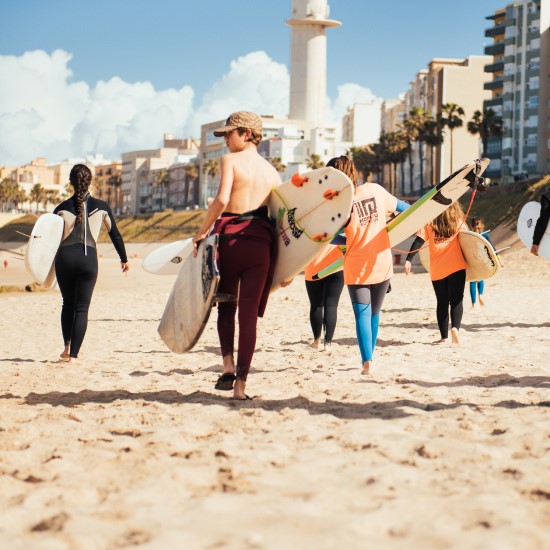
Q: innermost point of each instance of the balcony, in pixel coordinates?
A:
(494, 67)
(532, 17)
(492, 154)
(495, 49)
(492, 103)
(497, 30)
(493, 85)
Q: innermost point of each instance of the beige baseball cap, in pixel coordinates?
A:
(240, 119)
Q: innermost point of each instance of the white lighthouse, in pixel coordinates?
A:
(308, 59)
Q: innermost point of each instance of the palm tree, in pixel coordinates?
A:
(211, 169)
(99, 186)
(191, 173)
(419, 117)
(451, 117)
(487, 125)
(364, 159)
(115, 181)
(277, 164)
(432, 135)
(397, 152)
(162, 180)
(410, 131)
(37, 194)
(50, 196)
(314, 161)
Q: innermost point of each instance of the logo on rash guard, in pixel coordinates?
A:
(296, 232)
(366, 210)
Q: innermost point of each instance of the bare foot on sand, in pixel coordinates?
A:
(328, 348)
(238, 390)
(441, 341)
(65, 355)
(454, 336)
(315, 344)
(367, 367)
(481, 300)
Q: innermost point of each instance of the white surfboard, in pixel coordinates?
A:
(481, 259)
(168, 259)
(309, 210)
(42, 247)
(527, 220)
(190, 302)
(427, 207)
(435, 201)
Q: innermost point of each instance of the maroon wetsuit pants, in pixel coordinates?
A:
(244, 267)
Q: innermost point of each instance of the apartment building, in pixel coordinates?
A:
(140, 173)
(361, 123)
(459, 81)
(107, 185)
(53, 180)
(519, 86)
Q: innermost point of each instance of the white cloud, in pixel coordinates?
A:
(43, 112)
(254, 83)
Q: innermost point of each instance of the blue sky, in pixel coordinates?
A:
(192, 53)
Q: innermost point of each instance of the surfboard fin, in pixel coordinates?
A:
(298, 180)
(319, 236)
(329, 194)
(475, 180)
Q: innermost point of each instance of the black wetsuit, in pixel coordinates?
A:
(76, 263)
(542, 222)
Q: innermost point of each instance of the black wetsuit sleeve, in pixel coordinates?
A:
(417, 243)
(116, 238)
(542, 222)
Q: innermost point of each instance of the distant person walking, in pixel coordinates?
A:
(478, 287)
(76, 263)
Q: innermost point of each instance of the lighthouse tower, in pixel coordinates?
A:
(308, 59)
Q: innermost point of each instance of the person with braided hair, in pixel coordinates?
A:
(76, 263)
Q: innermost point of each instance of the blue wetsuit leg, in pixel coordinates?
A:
(363, 314)
(473, 291)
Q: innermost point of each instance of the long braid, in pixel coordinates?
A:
(80, 178)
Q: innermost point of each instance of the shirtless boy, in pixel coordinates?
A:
(246, 251)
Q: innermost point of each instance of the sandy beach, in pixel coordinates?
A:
(443, 446)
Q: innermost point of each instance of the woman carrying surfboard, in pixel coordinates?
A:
(368, 264)
(447, 267)
(324, 295)
(76, 260)
(240, 216)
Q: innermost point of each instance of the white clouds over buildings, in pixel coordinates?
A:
(43, 112)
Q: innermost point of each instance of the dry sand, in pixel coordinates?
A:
(443, 447)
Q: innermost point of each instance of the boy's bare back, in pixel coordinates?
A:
(252, 177)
